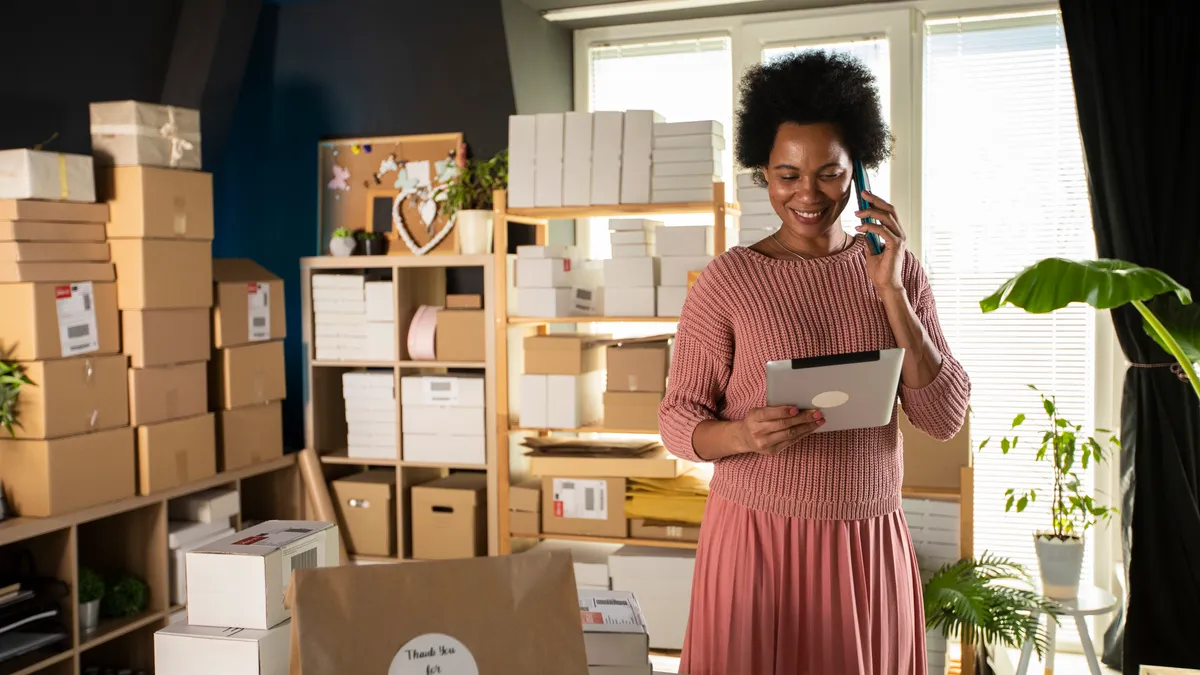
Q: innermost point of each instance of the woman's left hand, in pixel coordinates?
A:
(886, 268)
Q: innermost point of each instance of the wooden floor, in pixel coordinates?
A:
(1065, 664)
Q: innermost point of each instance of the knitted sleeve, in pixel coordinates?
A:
(700, 366)
(940, 407)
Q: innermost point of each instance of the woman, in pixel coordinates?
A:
(805, 564)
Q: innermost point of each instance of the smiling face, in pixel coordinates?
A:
(808, 178)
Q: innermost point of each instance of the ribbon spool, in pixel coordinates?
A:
(421, 334)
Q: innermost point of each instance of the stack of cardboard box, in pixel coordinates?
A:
(632, 273)
(689, 154)
(759, 219)
(70, 445)
(560, 388)
(545, 277)
(637, 381)
(246, 375)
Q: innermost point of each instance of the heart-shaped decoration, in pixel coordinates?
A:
(428, 211)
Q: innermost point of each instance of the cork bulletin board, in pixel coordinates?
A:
(360, 179)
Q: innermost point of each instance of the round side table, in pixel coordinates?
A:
(1092, 601)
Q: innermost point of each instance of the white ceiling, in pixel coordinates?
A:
(703, 12)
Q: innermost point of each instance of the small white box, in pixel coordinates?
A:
(760, 221)
(701, 127)
(380, 304)
(548, 172)
(522, 185)
(662, 183)
(181, 533)
(522, 154)
(378, 451)
(670, 300)
(668, 155)
(606, 180)
(758, 209)
(203, 650)
(340, 307)
(371, 410)
(679, 196)
(433, 419)
(327, 319)
(535, 404)
(34, 174)
(637, 147)
(574, 400)
(631, 237)
(590, 560)
(690, 141)
(544, 273)
(549, 184)
(632, 250)
(241, 580)
(445, 449)
(326, 280)
(622, 301)
(692, 240)
(337, 294)
(608, 129)
(381, 341)
(460, 389)
(217, 505)
(177, 564)
(746, 180)
(577, 159)
(706, 168)
(374, 381)
(383, 430)
(661, 580)
(334, 330)
(633, 225)
(674, 269)
(631, 272)
(551, 251)
(544, 302)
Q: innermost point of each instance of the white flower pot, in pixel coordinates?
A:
(1060, 563)
(89, 616)
(342, 247)
(474, 231)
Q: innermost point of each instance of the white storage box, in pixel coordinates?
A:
(444, 419)
(662, 183)
(690, 141)
(380, 304)
(590, 560)
(381, 341)
(343, 281)
(643, 250)
(636, 149)
(324, 295)
(670, 300)
(608, 130)
(56, 176)
(241, 580)
(692, 240)
(551, 251)
(760, 221)
(371, 450)
(177, 565)
(181, 533)
(552, 302)
(465, 390)
(614, 632)
(701, 127)
(674, 269)
(445, 449)
(661, 580)
(616, 238)
(535, 402)
(630, 272)
(544, 273)
(548, 173)
(759, 208)
(217, 505)
(622, 301)
(577, 159)
(522, 149)
(333, 307)
(180, 649)
(574, 400)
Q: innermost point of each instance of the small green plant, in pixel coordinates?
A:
(364, 235)
(12, 378)
(91, 586)
(1072, 511)
(343, 233)
(125, 596)
(977, 600)
(472, 186)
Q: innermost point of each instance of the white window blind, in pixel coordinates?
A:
(1004, 186)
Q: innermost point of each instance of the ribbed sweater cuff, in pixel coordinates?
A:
(951, 386)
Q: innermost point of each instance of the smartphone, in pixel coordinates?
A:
(860, 184)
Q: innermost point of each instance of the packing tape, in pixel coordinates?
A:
(260, 388)
(179, 225)
(89, 370)
(422, 333)
(63, 186)
(95, 418)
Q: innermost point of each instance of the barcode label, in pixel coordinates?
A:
(76, 318)
(586, 499)
(258, 304)
(305, 555)
(304, 560)
(443, 390)
(603, 601)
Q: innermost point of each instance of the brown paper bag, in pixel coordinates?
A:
(509, 615)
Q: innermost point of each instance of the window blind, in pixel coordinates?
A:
(1003, 186)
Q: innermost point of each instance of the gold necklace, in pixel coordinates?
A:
(804, 256)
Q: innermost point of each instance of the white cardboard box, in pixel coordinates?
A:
(551, 251)
(634, 225)
(661, 580)
(608, 131)
(691, 240)
(643, 250)
(544, 273)
(34, 174)
(334, 307)
(704, 168)
(181, 533)
(380, 304)
(381, 341)
(522, 153)
(690, 141)
(623, 301)
(668, 155)
(636, 149)
(701, 182)
(674, 269)
(217, 505)
(352, 281)
(670, 300)
(180, 649)
(574, 400)
(177, 565)
(701, 127)
(590, 560)
(630, 272)
(549, 163)
(606, 181)
(337, 294)
(614, 632)
(241, 580)
(703, 194)
(459, 389)
(370, 382)
(631, 237)
(445, 449)
(435, 419)
(577, 159)
(552, 302)
(535, 404)
(371, 451)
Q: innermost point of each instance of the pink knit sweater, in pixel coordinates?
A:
(747, 309)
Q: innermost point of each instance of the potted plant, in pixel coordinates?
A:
(125, 596)
(12, 378)
(372, 243)
(343, 243)
(1072, 510)
(91, 592)
(984, 601)
(467, 197)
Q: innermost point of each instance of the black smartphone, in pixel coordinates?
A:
(861, 184)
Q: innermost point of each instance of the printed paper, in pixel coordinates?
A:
(76, 318)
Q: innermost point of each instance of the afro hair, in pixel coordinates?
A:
(811, 87)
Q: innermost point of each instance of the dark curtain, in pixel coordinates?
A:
(1136, 67)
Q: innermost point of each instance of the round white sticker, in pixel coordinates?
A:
(830, 399)
(433, 654)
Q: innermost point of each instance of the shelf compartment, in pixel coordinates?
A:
(133, 648)
(50, 555)
(135, 543)
(61, 663)
(111, 629)
(342, 457)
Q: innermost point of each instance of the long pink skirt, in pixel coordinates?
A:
(774, 595)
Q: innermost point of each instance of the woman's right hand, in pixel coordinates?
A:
(767, 431)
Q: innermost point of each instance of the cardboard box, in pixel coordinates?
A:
(202, 650)
(250, 435)
(159, 274)
(164, 337)
(246, 375)
(522, 158)
(524, 522)
(460, 335)
(545, 302)
(177, 565)
(152, 203)
(674, 269)
(175, 453)
(526, 496)
(593, 507)
(466, 300)
(549, 160)
(608, 132)
(661, 579)
(442, 420)
(544, 273)
(639, 364)
(188, 534)
(50, 321)
(36, 251)
(623, 301)
(449, 517)
(248, 303)
(655, 464)
(73, 396)
(446, 449)
(167, 393)
(689, 241)
(380, 301)
(631, 272)
(241, 580)
(35, 174)
(636, 148)
(564, 353)
(52, 211)
(213, 506)
(606, 181)
(577, 159)
(366, 509)
(574, 400)
(670, 300)
(617, 238)
(126, 133)
(614, 631)
(25, 230)
(49, 478)
(64, 273)
(648, 529)
(632, 410)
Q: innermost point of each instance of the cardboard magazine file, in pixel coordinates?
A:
(510, 614)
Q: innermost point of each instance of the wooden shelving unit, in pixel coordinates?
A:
(416, 281)
(129, 535)
(539, 219)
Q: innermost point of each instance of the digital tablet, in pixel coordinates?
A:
(852, 391)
